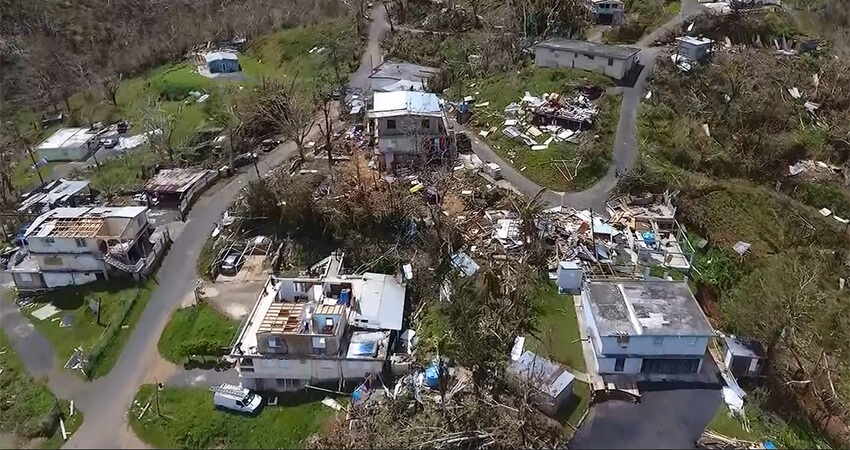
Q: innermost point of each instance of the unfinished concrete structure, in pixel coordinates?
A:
(607, 12)
(313, 329)
(74, 246)
(645, 327)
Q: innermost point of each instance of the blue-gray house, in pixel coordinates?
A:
(222, 62)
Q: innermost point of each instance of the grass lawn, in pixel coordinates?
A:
(558, 334)
(193, 327)
(189, 420)
(84, 331)
(581, 401)
(594, 152)
(25, 177)
(725, 424)
(29, 410)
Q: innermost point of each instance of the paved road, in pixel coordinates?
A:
(372, 56)
(625, 145)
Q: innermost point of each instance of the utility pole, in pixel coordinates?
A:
(98, 311)
(35, 165)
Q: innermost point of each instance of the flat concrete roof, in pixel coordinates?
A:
(215, 56)
(657, 308)
(589, 48)
(404, 71)
(67, 138)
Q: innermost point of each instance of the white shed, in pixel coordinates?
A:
(552, 383)
(68, 144)
(569, 277)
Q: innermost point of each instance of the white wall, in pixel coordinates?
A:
(61, 245)
(654, 346)
(63, 153)
(69, 262)
(606, 365)
(312, 369)
(614, 68)
(410, 125)
(59, 279)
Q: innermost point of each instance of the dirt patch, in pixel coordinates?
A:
(233, 299)
(252, 270)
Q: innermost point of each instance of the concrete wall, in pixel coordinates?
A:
(266, 371)
(59, 279)
(655, 346)
(410, 126)
(70, 262)
(37, 244)
(64, 153)
(223, 66)
(606, 365)
(614, 68)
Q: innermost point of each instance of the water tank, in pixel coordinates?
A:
(344, 297)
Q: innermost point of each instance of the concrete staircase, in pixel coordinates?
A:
(112, 261)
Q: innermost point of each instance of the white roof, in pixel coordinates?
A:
(380, 301)
(545, 375)
(405, 102)
(694, 40)
(67, 138)
(215, 56)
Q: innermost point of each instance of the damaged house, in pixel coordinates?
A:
(75, 246)
(410, 128)
(327, 328)
(607, 12)
(177, 188)
(393, 76)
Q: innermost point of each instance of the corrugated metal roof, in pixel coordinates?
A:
(381, 300)
(175, 180)
(545, 375)
(215, 56)
(589, 48)
(62, 189)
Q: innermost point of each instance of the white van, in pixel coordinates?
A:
(236, 398)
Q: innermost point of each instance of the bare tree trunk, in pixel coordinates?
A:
(389, 17)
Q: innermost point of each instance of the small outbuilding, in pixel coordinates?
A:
(612, 60)
(607, 12)
(551, 382)
(68, 144)
(745, 358)
(222, 62)
(393, 76)
(569, 277)
(177, 188)
(693, 48)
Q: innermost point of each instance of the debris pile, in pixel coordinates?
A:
(560, 116)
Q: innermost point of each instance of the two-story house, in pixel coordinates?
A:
(330, 328)
(74, 246)
(410, 128)
(645, 327)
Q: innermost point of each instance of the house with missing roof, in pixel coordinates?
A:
(612, 60)
(75, 246)
(57, 193)
(326, 327)
(177, 188)
(645, 327)
(409, 128)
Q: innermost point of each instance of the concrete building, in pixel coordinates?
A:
(74, 246)
(177, 188)
(692, 48)
(612, 60)
(68, 144)
(607, 12)
(744, 358)
(222, 62)
(410, 128)
(57, 193)
(645, 327)
(328, 328)
(551, 383)
(393, 76)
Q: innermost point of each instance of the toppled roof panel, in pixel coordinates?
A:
(176, 180)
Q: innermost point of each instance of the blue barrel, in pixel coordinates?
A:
(432, 377)
(344, 297)
(649, 238)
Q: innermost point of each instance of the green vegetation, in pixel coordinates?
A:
(642, 17)
(24, 175)
(581, 399)
(29, 410)
(727, 425)
(558, 335)
(196, 330)
(121, 304)
(593, 153)
(187, 419)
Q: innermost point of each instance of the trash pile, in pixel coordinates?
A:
(559, 116)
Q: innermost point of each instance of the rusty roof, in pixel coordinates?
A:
(175, 180)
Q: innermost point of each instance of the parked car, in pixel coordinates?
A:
(236, 398)
(243, 160)
(232, 263)
(109, 142)
(268, 145)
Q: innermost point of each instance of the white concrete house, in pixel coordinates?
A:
(409, 127)
(68, 144)
(645, 327)
(693, 48)
(74, 246)
(607, 12)
(318, 329)
(612, 60)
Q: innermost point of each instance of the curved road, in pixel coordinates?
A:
(106, 400)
